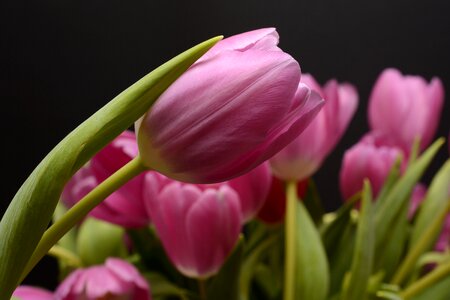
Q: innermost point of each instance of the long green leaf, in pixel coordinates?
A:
(356, 287)
(385, 214)
(31, 209)
(435, 201)
(312, 273)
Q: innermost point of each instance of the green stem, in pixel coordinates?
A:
(202, 289)
(81, 209)
(67, 256)
(290, 227)
(419, 248)
(427, 281)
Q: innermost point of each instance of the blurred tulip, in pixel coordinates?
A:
(115, 280)
(417, 196)
(274, 207)
(443, 242)
(24, 292)
(124, 207)
(304, 156)
(405, 107)
(368, 160)
(252, 188)
(198, 226)
(233, 109)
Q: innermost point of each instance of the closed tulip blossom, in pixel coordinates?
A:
(233, 109)
(125, 207)
(366, 159)
(198, 225)
(115, 280)
(404, 107)
(252, 188)
(32, 293)
(304, 156)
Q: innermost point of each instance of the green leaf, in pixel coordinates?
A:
(388, 184)
(439, 291)
(312, 274)
(30, 211)
(97, 240)
(162, 288)
(387, 212)
(225, 285)
(313, 203)
(435, 201)
(356, 287)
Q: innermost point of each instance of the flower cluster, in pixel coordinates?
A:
(229, 151)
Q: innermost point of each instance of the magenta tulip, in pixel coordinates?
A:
(252, 188)
(124, 207)
(114, 280)
(32, 293)
(304, 156)
(198, 225)
(233, 109)
(405, 107)
(368, 160)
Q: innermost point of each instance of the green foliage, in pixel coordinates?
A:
(30, 211)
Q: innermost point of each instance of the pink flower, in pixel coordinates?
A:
(198, 225)
(252, 188)
(417, 196)
(405, 107)
(32, 293)
(366, 159)
(124, 207)
(304, 156)
(115, 280)
(233, 109)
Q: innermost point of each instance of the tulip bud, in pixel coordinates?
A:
(116, 279)
(32, 293)
(405, 107)
(98, 240)
(368, 160)
(230, 111)
(125, 207)
(304, 156)
(252, 189)
(198, 228)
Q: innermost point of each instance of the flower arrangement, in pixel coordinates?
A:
(212, 196)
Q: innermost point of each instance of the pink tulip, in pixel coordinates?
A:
(369, 160)
(124, 207)
(115, 280)
(198, 225)
(233, 109)
(252, 188)
(32, 293)
(304, 156)
(405, 107)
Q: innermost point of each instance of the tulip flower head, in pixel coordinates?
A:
(124, 207)
(115, 280)
(233, 109)
(406, 107)
(24, 292)
(198, 225)
(303, 156)
(366, 159)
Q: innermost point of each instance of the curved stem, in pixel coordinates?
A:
(70, 258)
(290, 227)
(81, 209)
(202, 289)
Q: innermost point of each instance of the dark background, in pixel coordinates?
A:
(62, 60)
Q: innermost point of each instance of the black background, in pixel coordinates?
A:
(63, 60)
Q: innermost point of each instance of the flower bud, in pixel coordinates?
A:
(198, 227)
(405, 107)
(116, 279)
(305, 154)
(233, 109)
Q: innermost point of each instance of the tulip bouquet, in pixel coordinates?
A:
(211, 195)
